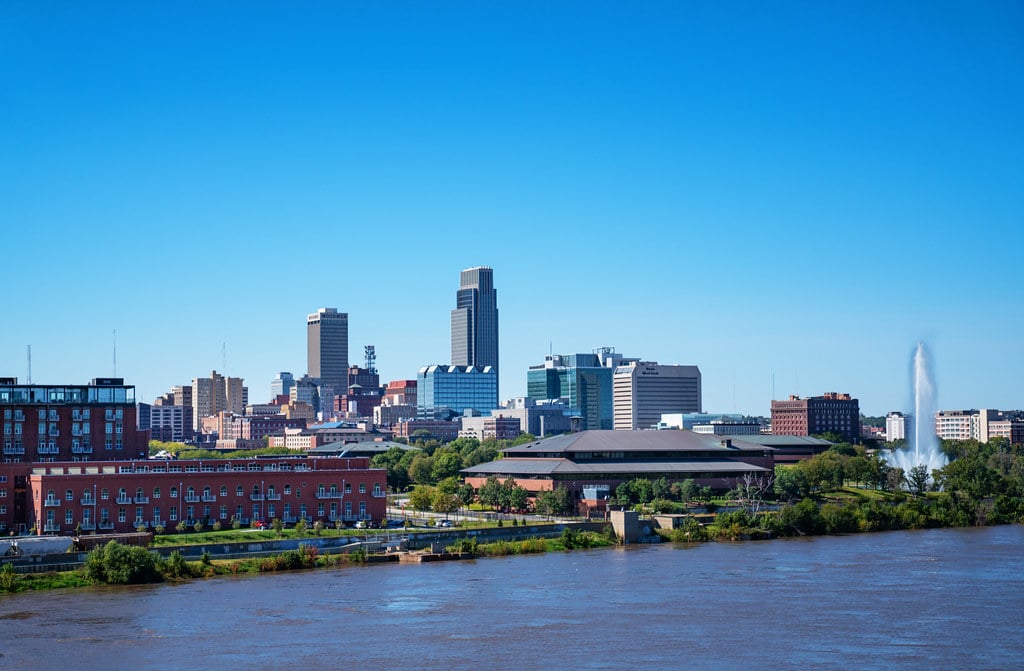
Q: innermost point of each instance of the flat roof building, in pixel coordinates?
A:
(643, 391)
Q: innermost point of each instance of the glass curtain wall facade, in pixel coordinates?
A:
(475, 322)
(447, 391)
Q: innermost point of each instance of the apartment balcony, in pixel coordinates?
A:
(141, 499)
(192, 499)
(289, 519)
(273, 497)
(48, 450)
(88, 501)
(106, 526)
(51, 503)
(124, 500)
(51, 528)
(380, 495)
(82, 449)
(14, 450)
(330, 495)
(87, 526)
(209, 498)
(256, 497)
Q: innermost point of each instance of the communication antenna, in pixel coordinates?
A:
(370, 353)
(30, 364)
(115, 352)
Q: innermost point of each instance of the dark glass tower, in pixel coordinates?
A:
(475, 321)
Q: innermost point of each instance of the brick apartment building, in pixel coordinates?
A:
(119, 496)
(70, 422)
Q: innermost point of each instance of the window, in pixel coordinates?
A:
(69, 517)
(320, 510)
(271, 511)
(362, 487)
(190, 512)
(302, 511)
(239, 512)
(138, 515)
(287, 489)
(174, 492)
(122, 514)
(3, 493)
(173, 515)
(223, 490)
(69, 495)
(108, 428)
(348, 488)
(104, 494)
(239, 491)
(223, 512)
(139, 493)
(3, 510)
(156, 514)
(362, 508)
(156, 492)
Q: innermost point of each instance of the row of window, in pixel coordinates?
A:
(207, 513)
(190, 491)
(53, 415)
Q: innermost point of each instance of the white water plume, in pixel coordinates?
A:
(922, 443)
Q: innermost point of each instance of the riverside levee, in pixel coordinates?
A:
(370, 543)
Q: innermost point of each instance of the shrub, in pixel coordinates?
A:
(217, 526)
(118, 564)
(198, 526)
(159, 530)
(176, 567)
(181, 527)
(236, 523)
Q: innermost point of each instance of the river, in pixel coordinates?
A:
(947, 599)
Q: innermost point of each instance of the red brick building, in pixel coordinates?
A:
(830, 413)
(118, 496)
(70, 422)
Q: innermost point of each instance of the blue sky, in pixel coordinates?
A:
(789, 196)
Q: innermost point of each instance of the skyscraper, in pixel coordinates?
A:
(475, 321)
(327, 347)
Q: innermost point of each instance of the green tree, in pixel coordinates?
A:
(421, 469)
(555, 501)
(445, 503)
(421, 498)
(490, 492)
(446, 464)
(917, 479)
(791, 483)
(300, 528)
(278, 526)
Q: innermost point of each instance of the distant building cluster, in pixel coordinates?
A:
(74, 456)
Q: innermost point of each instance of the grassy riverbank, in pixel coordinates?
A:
(115, 563)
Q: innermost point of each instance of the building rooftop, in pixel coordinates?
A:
(635, 441)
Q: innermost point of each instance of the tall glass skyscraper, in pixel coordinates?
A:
(475, 321)
(327, 347)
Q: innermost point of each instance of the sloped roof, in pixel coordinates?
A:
(635, 441)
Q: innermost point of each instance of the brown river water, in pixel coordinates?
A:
(945, 599)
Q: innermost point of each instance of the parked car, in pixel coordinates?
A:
(443, 523)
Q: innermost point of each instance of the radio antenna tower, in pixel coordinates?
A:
(30, 364)
(371, 358)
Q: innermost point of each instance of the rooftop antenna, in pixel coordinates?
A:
(371, 358)
(30, 364)
(115, 352)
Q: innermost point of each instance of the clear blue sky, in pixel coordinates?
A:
(797, 191)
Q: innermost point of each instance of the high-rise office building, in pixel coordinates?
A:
(581, 381)
(475, 321)
(327, 347)
(643, 391)
(281, 385)
(217, 393)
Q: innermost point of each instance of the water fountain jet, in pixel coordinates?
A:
(922, 444)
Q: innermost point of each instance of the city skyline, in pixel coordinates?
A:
(789, 198)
